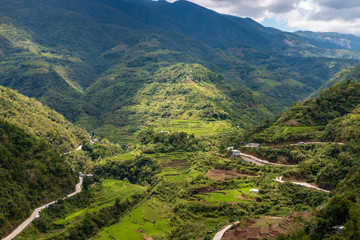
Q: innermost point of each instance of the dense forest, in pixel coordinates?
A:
(330, 116)
(39, 120)
(32, 173)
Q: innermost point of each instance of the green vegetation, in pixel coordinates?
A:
(341, 209)
(169, 142)
(147, 220)
(316, 118)
(181, 96)
(140, 170)
(32, 173)
(82, 211)
(177, 200)
(40, 121)
(118, 73)
(175, 90)
(332, 117)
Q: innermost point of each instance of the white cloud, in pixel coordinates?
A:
(315, 15)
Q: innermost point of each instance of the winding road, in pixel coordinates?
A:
(36, 212)
(279, 179)
(262, 162)
(221, 233)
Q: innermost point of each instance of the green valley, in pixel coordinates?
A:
(179, 122)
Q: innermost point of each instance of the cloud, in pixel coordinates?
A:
(324, 16)
(315, 15)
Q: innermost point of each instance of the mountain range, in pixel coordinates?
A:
(88, 59)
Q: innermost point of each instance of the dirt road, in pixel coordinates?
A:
(279, 179)
(261, 162)
(23, 225)
(220, 233)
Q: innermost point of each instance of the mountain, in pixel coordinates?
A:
(88, 59)
(332, 39)
(186, 97)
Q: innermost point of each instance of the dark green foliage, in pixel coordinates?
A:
(330, 116)
(40, 121)
(32, 173)
(350, 74)
(141, 170)
(91, 223)
(170, 142)
(334, 102)
(100, 149)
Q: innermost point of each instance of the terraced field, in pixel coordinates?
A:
(228, 196)
(148, 220)
(112, 189)
(176, 166)
(198, 127)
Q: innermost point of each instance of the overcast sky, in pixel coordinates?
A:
(316, 15)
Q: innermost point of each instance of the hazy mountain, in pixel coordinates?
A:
(332, 39)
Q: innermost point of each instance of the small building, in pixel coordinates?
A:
(91, 176)
(37, 216)
(236, 153)
(230, 148)
(338, 229)
(254, 190)
(253, 145)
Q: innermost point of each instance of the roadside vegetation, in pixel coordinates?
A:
(32, 173)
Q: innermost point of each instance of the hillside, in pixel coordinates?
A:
(332, 39)
(349, 74)
(32, 172)
(39, 121)
(333, 108)
(186, 97)
(329, 156)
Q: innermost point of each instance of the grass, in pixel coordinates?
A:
(148, 219)
(151, 213)
(198, 127)
(286, 133)
(119, 157)
(115, 134)
(112, 189)
(137, 216)
(126, 230)
(174, 160)
(175, 166)
(227, 196)
(182, 177)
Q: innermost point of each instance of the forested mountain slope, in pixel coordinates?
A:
(349, 74)
(40, 121)
(319, 118)
(32, 172)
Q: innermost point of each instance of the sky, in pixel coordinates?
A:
(341, 16)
